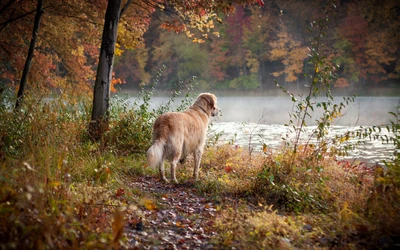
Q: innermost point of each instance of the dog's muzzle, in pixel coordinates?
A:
(215, 111)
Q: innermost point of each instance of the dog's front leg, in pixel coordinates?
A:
(197, 159)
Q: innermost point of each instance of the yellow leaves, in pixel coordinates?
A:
(224, 179)
(252, 62)
(215, 33)
(276, 54)
(197, 40)
(189, 34)
(345, 214)
(78, 51)
(148, 204)
(118, 50)
(344, 138)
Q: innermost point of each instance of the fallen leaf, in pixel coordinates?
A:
(148, 204)
(228, 169)
(120, 192)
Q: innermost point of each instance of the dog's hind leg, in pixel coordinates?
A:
(173, 170)
(197, 159)
(162, 172)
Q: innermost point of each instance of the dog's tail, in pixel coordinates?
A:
(155, 154)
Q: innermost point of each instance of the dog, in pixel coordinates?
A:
(178, 134)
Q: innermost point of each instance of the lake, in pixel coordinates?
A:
(252, 121)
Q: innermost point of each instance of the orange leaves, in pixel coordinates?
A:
(265, 148)
(173, 26)
(114, 82)
(228, 169)
(117, 226)
(341, 83)
(290, 52)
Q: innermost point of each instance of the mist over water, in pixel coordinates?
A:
(275, 110)
(254, 121)
(364, 111)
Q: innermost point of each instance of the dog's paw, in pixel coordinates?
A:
(175, 181)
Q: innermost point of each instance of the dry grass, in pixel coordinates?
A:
(280, 200)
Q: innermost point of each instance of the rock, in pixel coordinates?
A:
(139, 226)
(307, 228)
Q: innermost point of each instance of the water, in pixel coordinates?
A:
(253, 136)
(252, 121)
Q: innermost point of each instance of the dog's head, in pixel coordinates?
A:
(208, 103)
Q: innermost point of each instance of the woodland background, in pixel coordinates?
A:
(244, 50)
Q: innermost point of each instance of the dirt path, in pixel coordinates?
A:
(173, 217)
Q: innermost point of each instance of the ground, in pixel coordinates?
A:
(173, 217)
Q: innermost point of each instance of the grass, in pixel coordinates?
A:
(300, 206)
(61, 190)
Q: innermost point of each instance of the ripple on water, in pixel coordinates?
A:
(255, 135)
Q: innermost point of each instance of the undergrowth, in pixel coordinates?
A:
(60, 189)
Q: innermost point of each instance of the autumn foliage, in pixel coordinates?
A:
(270, 43)
(249, 43)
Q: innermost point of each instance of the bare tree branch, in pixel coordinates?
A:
(125, 7)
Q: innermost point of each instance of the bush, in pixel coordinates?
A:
(131, 123)
(247, 82)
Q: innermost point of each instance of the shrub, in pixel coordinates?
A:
(131, 123)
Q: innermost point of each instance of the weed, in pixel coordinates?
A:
(321, 81)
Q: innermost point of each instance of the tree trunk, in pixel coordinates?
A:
(28, 62)
(101, 99)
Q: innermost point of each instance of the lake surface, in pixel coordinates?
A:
(252, 121)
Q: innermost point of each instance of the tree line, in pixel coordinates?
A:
(255, 45)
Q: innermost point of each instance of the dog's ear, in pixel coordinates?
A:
(209, 98)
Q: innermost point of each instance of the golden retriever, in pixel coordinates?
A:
(178, 134)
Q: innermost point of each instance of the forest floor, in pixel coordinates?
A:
(174, 216)
(177, 216)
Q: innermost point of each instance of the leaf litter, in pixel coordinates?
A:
(171, 217)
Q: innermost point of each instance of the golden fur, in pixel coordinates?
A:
(178, 134)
